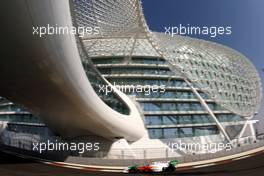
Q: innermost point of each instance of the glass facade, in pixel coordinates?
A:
(11, 107)
(22, 118)
(177, 119)
(188, 106)
(108, 60)
(167, 133)
(148, 81)
(177, 97)
(145, 71)
(134, 60)
(111, 99)
(11, 112)
(169, 94)
(30, 129)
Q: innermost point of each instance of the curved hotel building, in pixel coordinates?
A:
(138, 89)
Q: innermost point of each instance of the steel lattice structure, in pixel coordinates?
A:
(224, 74)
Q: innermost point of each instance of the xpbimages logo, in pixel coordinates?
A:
(212, 31)
(134, 89)
(42, 31)
(79, 147)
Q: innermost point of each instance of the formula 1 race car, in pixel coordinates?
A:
(168, 166)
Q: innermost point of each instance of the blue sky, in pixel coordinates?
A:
(245, 16)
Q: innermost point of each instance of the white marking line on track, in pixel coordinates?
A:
(241, 157)
(205, 165)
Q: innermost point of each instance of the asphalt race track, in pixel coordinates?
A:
(14, 166)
